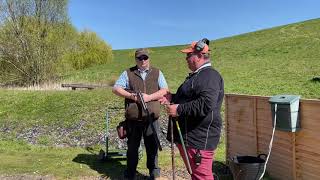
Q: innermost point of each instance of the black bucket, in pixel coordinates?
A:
(247, 167)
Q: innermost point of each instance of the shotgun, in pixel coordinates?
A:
(149, 119)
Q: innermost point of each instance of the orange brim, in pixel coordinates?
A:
(188, 50)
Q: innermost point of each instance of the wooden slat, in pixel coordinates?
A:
(267, 137)
(311, 147)
(243, 145)
(309, 133)
(280, 165)
(308, 165)
(237, 131)
(294, 172)
(242, 126)
(308, 177)
(309, 155)
(281, 174)
(307, 168)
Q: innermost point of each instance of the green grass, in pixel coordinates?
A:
(53, 106)
(50, 110)
(17, 157)
(281, 60)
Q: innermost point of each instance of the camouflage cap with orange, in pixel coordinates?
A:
(197, 47)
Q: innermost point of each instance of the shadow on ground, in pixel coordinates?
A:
(109, 169)
(221, 170)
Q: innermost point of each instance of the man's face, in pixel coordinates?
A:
(192, 61)
(143, 62)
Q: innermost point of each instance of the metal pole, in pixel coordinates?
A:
(107, 133)
(184, 148)
(172, 149)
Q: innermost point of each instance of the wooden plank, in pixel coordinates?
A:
(277, 138)
(244, 132)
(264, 106)
(311, 147)
(266, 138)
(307, 176)
(279, 154)
(241, 126)
(243, 149)
(308, 165)
(311, 125)
(310, 101)
(255, 122)
(243, 143)
(279, 149)
(308, 141)
(305, 167)
(241, 117)
(279, 174)
(245, 96)
(306, 105)
(239, 151)
(282, 164)
(309, 155)
(294, 173)
(280, 167)
(241, 132)
(309, 133)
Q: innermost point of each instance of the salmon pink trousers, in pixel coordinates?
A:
(202, 171)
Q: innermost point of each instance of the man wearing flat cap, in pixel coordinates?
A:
(151, 82)
(196, 106)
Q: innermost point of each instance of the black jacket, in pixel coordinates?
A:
(200, 98)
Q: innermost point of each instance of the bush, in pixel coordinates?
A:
(89, 50)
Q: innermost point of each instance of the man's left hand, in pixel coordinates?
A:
(146, 97)
(172, 110)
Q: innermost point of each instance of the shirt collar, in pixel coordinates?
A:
(143, 71)
(207, 64)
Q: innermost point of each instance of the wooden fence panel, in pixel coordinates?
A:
(249, 130)
(308, 141)
(242, 126)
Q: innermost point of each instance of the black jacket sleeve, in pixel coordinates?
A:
(206, 93)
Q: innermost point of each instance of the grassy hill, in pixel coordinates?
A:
(274, 61)
(281, 60)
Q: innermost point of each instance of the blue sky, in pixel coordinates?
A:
(150, 23)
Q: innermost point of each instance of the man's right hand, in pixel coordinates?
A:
(134, 97)
(166, 99)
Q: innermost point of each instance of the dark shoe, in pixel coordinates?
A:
(154, 174)
(126, 176)
(155, 178)
(150, 178)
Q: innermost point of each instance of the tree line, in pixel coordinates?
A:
(38, 43)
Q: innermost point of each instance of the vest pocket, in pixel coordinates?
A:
(135, 112)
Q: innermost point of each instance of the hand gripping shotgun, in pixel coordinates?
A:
(149, 119)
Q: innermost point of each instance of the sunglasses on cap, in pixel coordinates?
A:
(142, 58)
